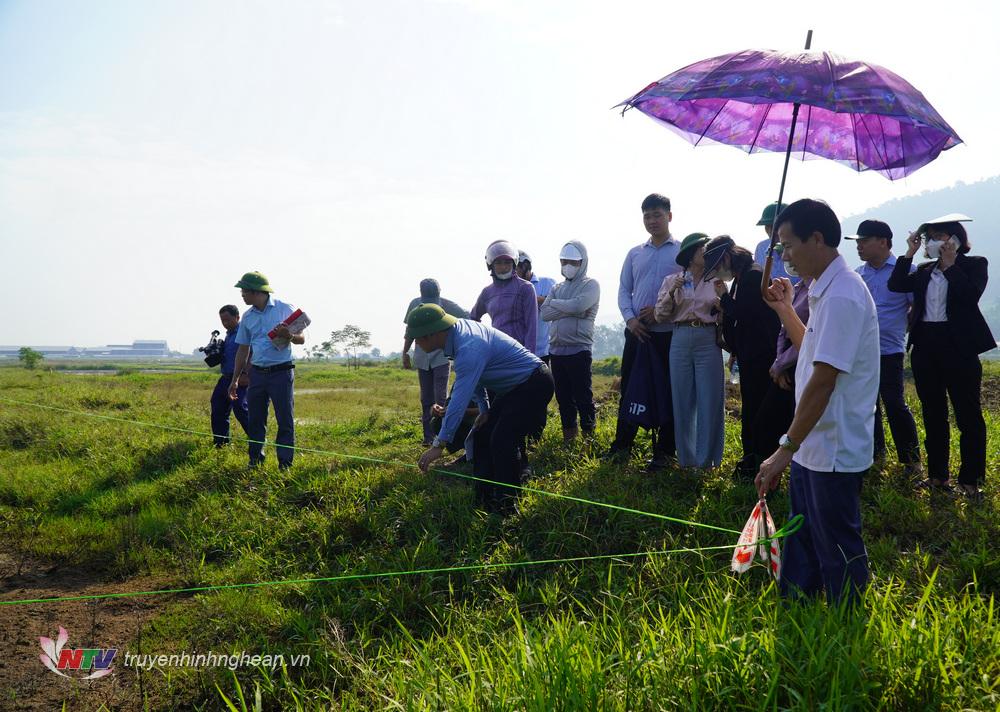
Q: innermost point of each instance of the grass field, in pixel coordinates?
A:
(92, 505)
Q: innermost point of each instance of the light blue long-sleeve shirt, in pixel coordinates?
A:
(542, 285)
(483, 358)
(645, 268)
(253, 332)
(892, 307)
(777, 264)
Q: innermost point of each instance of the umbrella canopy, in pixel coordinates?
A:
(853, 112)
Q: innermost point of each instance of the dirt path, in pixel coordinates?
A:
(25, 683)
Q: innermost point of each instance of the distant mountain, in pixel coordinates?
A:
(980, 201)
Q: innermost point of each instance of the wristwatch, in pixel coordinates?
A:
(787, 443)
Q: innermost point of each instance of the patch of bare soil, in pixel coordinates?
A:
(990, 394)
(25, 683)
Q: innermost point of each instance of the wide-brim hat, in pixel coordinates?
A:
(770, 212)
(427, 319)
(949, 218)
(254, 281)
(691, 242)
(715, 250)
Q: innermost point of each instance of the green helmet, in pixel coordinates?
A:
(255, 282)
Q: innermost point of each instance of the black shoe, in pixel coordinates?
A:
(744, 473)
(617, 456)
(659, 462)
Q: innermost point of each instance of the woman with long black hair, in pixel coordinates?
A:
(947, 334)
(751, 329)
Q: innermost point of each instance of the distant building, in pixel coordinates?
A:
(137, 349)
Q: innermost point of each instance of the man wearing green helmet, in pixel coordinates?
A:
(484, 359)
(272, 377)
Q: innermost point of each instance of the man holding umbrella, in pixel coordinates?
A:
(830, 441)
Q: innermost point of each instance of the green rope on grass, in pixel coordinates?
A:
(358, 577)
(522, 488)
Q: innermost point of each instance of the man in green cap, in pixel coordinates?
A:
(485, 358)
(766, 221)
(272, 376)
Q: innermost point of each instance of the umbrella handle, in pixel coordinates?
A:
(769, 262)
(765, 281)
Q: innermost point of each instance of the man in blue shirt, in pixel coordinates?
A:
(542, 285)
(229, 315)
(272, 376)
(643, 272)
(485, 358)
(432, 369)
(874, 241)
(766, 221)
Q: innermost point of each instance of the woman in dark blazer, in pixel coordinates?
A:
(750, 328)
(947, 334)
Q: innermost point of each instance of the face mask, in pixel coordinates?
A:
(724, 274)
(790, 268)
(933, 249)
(504, 275)
(569, 271)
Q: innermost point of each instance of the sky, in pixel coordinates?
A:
(152, 152)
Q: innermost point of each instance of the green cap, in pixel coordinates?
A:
(254, 281)
(427, 319)
(770, 212)
(691, 242)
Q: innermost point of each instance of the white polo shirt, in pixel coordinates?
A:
(842, 332)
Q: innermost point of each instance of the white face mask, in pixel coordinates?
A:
(933, 248)
(722, 273)
(503, 275)
(569, 271)
(790, 268)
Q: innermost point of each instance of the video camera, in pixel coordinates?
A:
(213, 349)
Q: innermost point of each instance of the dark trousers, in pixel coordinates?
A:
(513, 416)
(755, 381)
(828, 552)
(222, 406)
(625, 430)
(276, 387)
(433, 389)
(771, 422)
(573, 390)
(941, 372)
(901, 423)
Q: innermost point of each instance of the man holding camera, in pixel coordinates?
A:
(222, 405)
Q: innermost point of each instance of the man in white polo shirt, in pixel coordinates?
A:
(830, 441)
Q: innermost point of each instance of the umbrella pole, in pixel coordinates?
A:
(769, 262)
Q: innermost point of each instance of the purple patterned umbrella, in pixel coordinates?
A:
(853, 112)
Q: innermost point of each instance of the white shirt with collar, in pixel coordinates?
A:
(936, 307)
(842, 332)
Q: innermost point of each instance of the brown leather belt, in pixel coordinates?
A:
(695, 323)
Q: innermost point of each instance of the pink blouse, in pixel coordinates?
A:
(689, 305)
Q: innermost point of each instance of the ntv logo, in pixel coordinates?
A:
(56, 659)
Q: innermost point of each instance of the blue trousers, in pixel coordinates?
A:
(222, 406)
(276, 387)
(828, 551)
(697, 383)
(433, 390)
